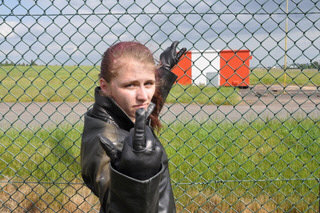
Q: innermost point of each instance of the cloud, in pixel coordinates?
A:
(82, 30)
(6, 29)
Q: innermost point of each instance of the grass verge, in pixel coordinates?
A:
(216, 167)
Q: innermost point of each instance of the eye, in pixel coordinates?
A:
(149, 83)
(130, 85)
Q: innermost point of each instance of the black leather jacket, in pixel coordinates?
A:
(118, 192)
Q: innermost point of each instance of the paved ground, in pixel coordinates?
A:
(259, 102)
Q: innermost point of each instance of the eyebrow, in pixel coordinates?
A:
(132, 81)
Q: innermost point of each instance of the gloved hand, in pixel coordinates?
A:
(141, 155)
(170, 57)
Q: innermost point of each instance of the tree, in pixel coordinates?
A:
(33, 63)
(315, 65)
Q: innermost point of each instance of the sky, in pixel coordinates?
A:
(77, 32)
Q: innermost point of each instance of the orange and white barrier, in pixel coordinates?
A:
(215, 68)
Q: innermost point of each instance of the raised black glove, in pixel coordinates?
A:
(141, 155)
(170, 57)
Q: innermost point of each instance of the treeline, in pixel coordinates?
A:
(9, 63)
(312, 65)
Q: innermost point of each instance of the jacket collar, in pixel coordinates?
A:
(105, 108)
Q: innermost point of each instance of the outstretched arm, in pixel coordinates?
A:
(168, 59)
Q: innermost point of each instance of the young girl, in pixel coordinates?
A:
(122, 161)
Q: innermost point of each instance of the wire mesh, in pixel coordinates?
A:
(241, 125)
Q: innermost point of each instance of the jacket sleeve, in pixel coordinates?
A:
(167, 79)
(94, 161)
(95, 166)
(166, 199)
(127, 194)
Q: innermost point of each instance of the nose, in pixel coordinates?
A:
(142, 94)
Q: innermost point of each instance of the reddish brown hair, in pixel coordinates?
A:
(115, 58)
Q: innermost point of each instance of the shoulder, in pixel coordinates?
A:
(94, 128)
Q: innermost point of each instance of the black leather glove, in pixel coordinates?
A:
(170, 57)
(141, 155)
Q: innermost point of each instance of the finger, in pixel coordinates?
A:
(174, 45)
(109, 148)
(139, 142)
(180, 53)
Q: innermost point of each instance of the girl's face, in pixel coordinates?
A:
(132, 88)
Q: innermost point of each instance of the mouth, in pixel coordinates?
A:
(138, 106)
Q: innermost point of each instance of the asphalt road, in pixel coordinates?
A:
(259, 102)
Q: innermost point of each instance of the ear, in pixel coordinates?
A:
(105, 86)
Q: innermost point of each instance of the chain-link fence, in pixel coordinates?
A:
(241, 126)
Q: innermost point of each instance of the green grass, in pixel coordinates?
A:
(276, 160)
(307, 77)
(263, 150)
(232, 164)
(204, 95)
(48, 155)
(47, 83)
